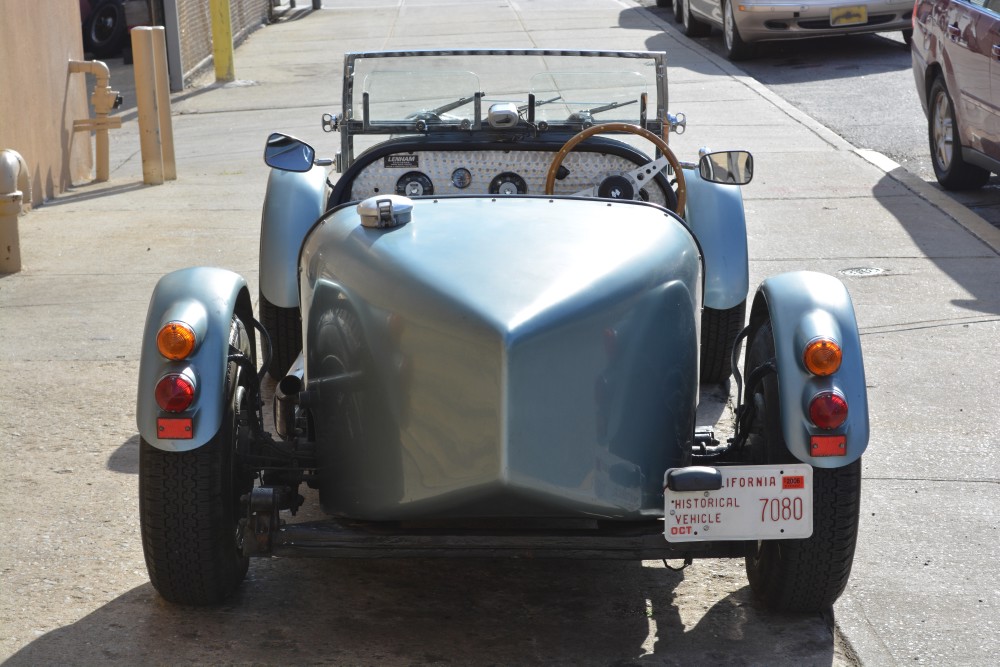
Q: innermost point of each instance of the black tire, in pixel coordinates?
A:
(104, 31)
(284, 327)
(189, 507)
(692, 26)
(678, 6)
(907, 37)
(664, 3)
(736, 48)
(806, 575)
(719, 329)
(951, 170)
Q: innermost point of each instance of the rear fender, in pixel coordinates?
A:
(803, 305)
(292, 204)
(715, 214)
(206, 298)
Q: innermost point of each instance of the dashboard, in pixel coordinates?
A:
(496, 171)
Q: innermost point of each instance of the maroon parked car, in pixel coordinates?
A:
(956, 63)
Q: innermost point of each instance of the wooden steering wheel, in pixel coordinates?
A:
(640, 176)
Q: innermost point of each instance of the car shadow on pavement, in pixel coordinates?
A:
(125, 459)
(952, 245)
(419, 612)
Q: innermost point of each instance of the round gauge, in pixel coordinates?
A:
(414, 184)
(461, 178)
(508, 183)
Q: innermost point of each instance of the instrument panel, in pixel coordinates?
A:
(497, 172)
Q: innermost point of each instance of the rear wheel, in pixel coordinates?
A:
(284, 327)
(736, 48)
(692, 26)
(189, 506)
(951, 170)
(804, 575)
(678, 6)
(719, 329)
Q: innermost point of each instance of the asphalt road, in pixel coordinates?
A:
(861, 87)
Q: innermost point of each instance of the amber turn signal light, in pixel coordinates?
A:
(176, 340)
(822, 357)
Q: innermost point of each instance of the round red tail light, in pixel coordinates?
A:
(828, 410)
(174, 392)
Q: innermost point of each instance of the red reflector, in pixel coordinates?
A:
(174, 393)
(174, 429)
(793, 482)
(828, 410)
(828, 445)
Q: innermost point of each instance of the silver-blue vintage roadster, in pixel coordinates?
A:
(486, 321)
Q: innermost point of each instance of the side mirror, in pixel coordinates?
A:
(729, 167)
(288, 153)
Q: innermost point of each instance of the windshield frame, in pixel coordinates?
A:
(652, 119)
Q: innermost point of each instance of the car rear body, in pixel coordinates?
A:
(553, 376)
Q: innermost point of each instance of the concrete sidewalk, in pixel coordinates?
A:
(924, 587)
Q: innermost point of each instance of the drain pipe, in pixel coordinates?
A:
(14, 188)
(104, 101)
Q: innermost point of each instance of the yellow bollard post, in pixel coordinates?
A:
(145, 100)
(163, 102)
(222, 40)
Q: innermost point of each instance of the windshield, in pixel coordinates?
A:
(424, 90)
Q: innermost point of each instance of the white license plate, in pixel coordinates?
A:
(755, 503)
(852, 15)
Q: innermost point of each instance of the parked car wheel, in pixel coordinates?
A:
(664, 3)
(692, 26)
(189, 507)
(953, 173)
(678, 7)
(907, 38)
(719, 329)
(805, 575)
(104, 30)
(284, 327)
(736, 48)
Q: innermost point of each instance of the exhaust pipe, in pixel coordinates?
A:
(286, 397)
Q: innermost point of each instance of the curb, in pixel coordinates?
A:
(967, 219)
